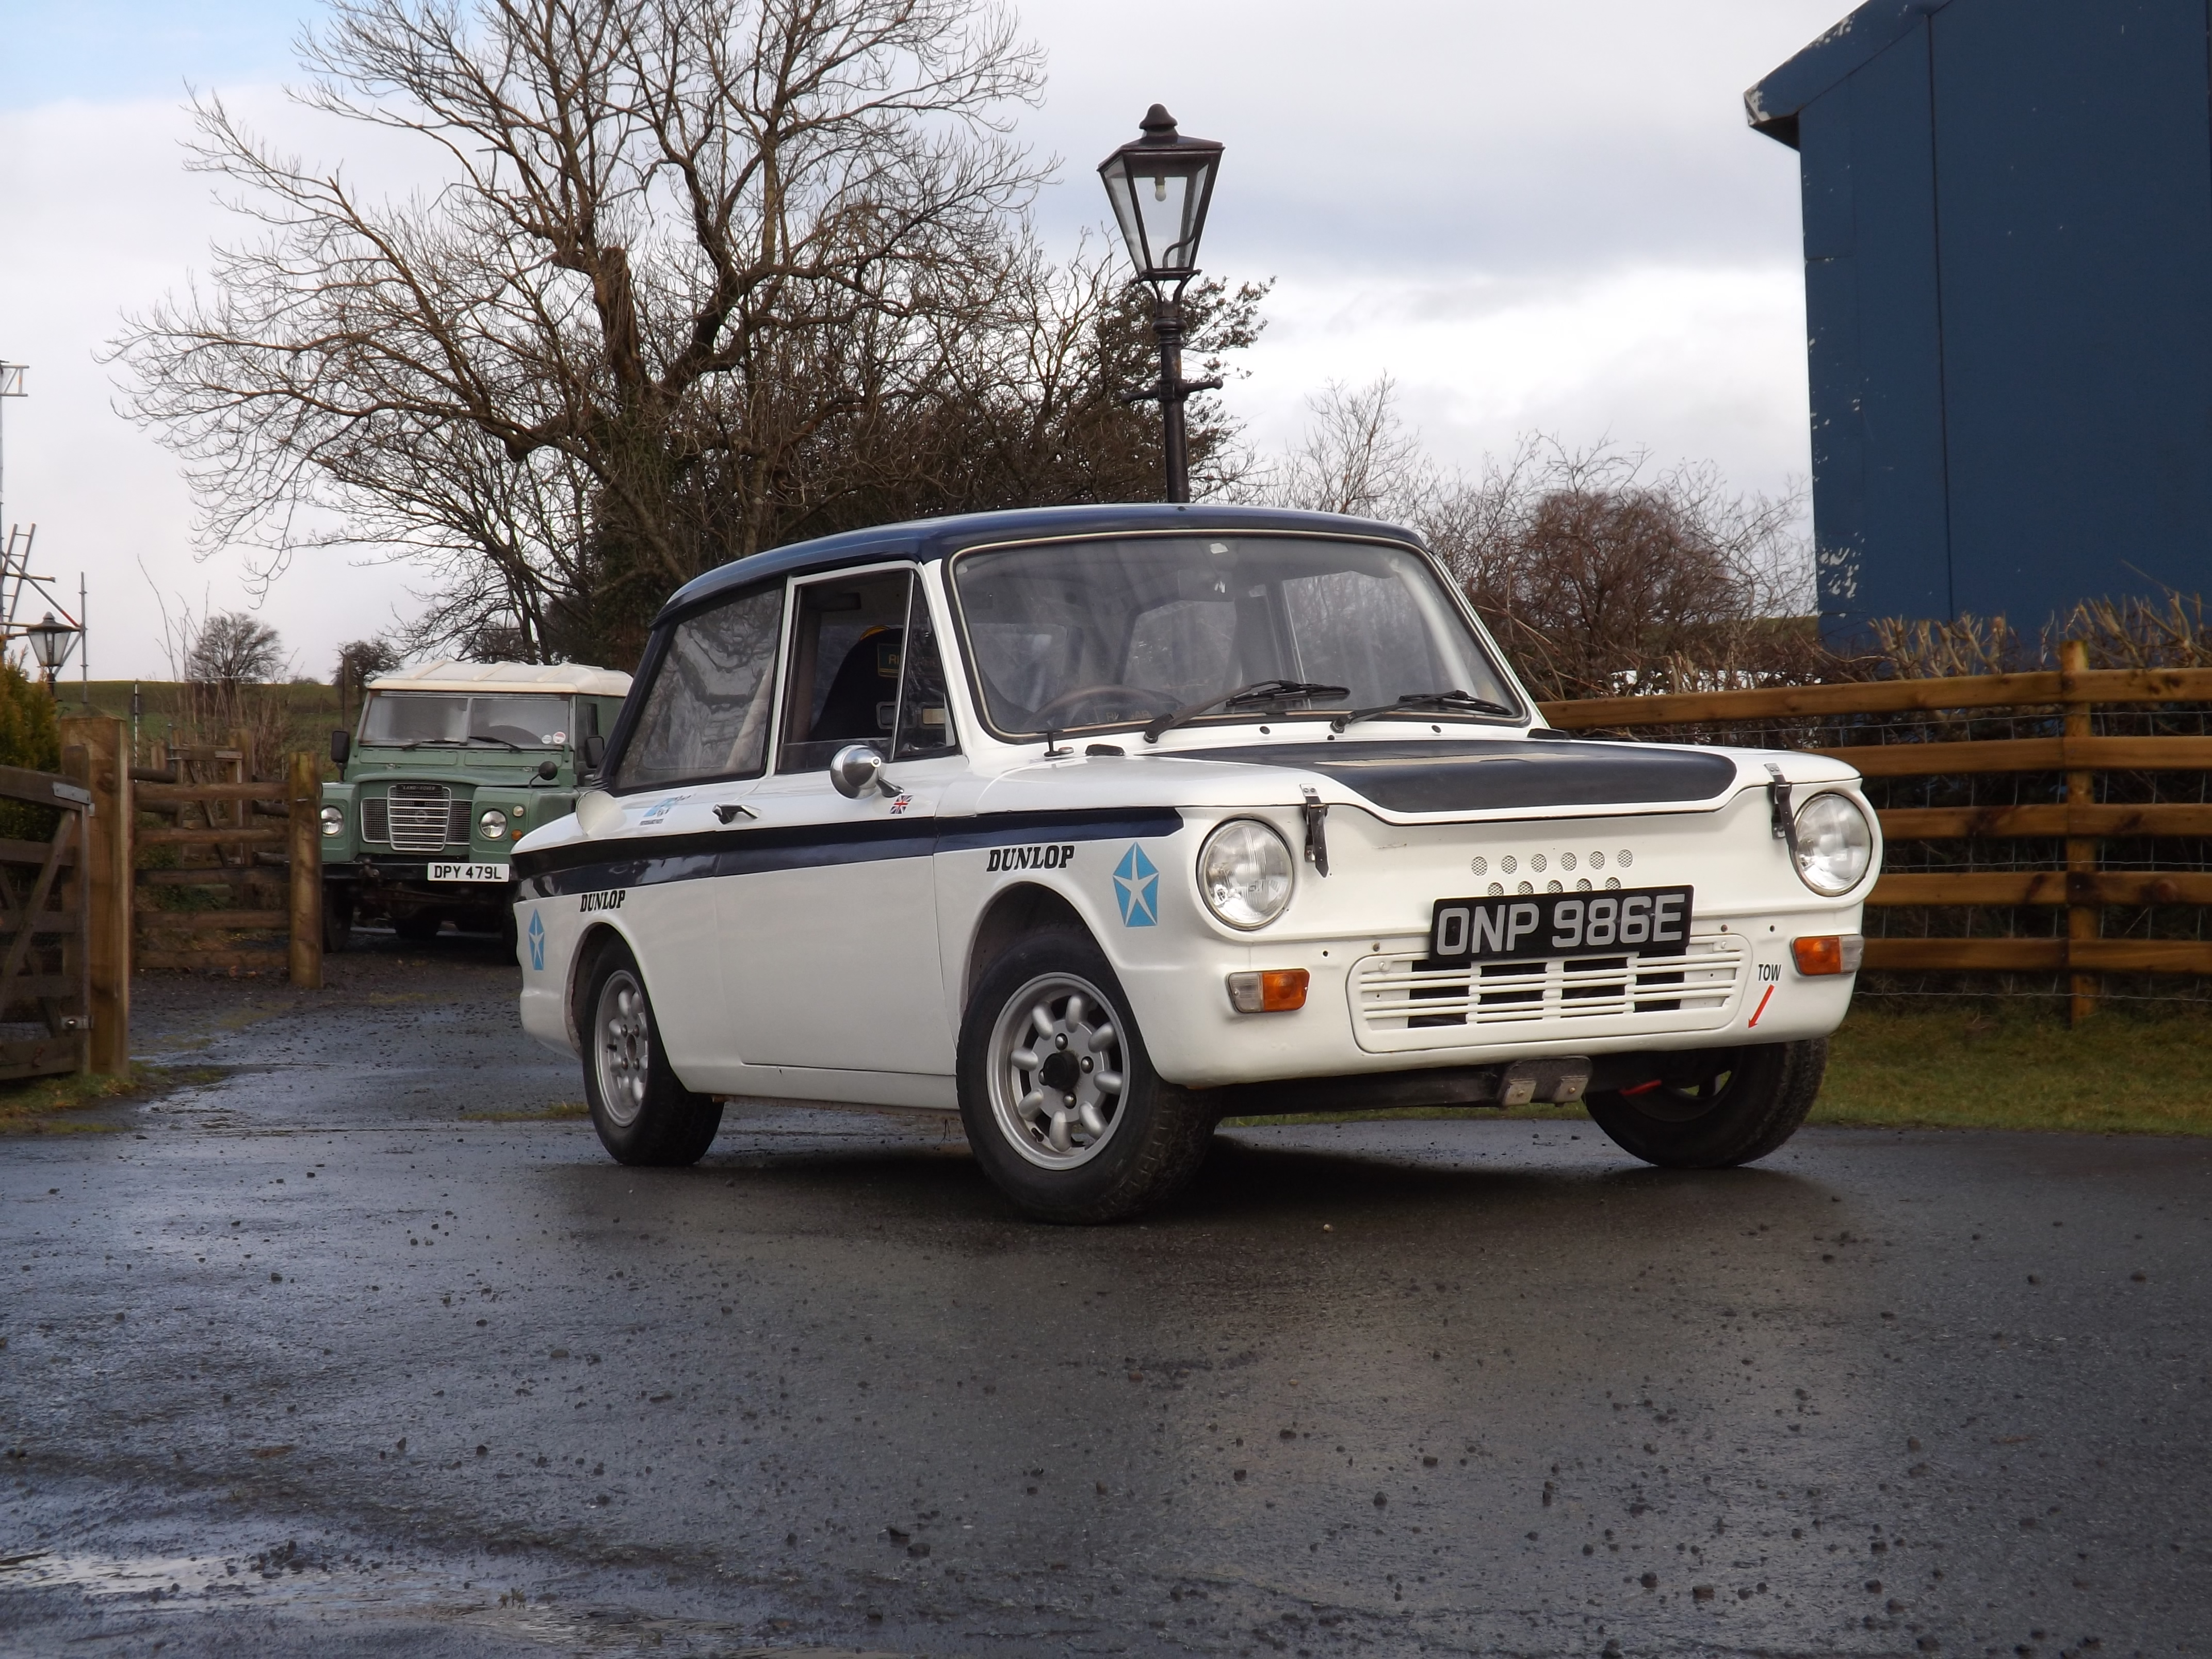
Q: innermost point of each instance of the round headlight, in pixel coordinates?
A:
(493, 824)
(333, 821)
(1835, 844)
(1244, 872)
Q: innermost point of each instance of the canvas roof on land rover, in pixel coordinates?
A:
(573, 679)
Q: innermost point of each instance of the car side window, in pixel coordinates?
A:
(847, 654)
(707, 714)
(924, 714)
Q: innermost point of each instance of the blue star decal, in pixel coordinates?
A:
(536, 942)
(1137, 889)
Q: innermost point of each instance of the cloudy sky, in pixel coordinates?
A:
(1538, 218)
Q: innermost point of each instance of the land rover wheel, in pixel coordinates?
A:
(338, 918)
(1715, 1111)
(642, 1114)
(1062, 1108)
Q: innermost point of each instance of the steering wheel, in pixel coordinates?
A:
(1052, 716)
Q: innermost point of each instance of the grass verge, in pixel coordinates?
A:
(1978, 1069)
(559, 1111)
(1993, 1069)
(57, 1105)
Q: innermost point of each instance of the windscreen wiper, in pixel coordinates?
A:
(447, 742)
(1258, 691)
(486, 737)
(1449, 703)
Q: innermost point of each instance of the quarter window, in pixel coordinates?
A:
(707, 715)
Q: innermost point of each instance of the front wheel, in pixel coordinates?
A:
(1062, 1108)
(1719, 1109)
(338, 918)
(642, 1113)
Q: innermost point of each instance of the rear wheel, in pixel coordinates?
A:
(642, 1113)
(1062, 1108)
(1720, 1109)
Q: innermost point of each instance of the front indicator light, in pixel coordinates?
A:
(1831, 953)
(1272, 991)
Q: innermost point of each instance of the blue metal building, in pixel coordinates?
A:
(2008, 289)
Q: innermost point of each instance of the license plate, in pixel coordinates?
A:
(1634, 921)
(468, 872)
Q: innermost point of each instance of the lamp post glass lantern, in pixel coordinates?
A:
(1161, 185)
(51, 642)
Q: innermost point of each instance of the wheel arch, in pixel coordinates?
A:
(1018, 910)
(582, 962)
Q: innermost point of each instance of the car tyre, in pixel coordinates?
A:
(643, 1114)
(1082, 1130)
(338, 919)
(1737, 1113)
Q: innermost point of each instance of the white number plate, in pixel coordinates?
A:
(468, 872)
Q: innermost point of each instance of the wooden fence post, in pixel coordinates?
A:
(303, 793)
(95, 751)
(2083, 921)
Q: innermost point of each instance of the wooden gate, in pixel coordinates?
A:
(45, 954)
(236, 857)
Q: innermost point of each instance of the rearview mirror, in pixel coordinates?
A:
(854, 767)
(595, 751)
(341, 747)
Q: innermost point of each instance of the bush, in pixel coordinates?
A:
(30, 735)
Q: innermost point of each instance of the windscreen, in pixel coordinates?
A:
(1112, 632)
(525, 722)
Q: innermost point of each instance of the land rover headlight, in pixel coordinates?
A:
(333, 821)
(1244, 874)
(492, 826)
(1835, 844)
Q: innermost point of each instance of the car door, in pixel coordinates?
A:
(829, 934)
(702, 738)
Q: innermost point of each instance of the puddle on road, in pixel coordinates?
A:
(288, 1579)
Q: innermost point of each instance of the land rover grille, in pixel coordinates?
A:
(417, 818)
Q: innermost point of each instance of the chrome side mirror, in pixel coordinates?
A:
(856, 766)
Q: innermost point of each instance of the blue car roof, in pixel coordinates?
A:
(933, 539)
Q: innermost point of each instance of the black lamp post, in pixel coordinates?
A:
(51, 642)
(1161, 185)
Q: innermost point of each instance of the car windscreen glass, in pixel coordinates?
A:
(1073, 635)
(528, 720)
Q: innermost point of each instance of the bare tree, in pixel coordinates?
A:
(230, 648)
(1598, 573)
(678, 247)
(1357, 457)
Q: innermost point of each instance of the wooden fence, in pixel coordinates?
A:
(237, 856)
(2067, 698)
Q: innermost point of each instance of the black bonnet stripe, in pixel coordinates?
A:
(649, 860)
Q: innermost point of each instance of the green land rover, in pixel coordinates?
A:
(453, 763)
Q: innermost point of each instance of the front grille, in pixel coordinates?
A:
(422, 817)
(375, 819)
(1399, 1005)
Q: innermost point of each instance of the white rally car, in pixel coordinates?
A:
(1096, 824)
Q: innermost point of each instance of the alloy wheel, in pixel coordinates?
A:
(1057, 1071)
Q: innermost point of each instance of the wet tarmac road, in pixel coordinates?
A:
(327, 1360)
